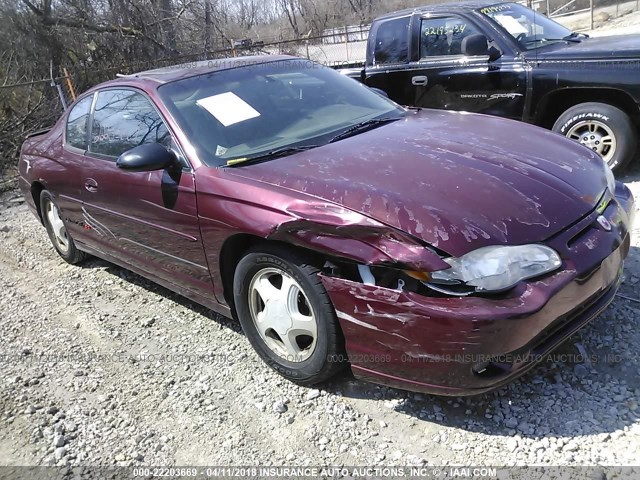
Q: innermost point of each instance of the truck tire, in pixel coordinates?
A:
(603, 128)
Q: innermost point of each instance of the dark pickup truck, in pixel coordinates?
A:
(507, 60)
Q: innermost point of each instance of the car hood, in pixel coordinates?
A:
(457, 181)
(605, 48)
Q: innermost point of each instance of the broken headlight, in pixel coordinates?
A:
(497, 268)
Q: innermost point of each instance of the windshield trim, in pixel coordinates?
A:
(256, 62)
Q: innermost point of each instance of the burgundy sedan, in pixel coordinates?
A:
(429, 250)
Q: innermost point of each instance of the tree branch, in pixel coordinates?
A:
(81, 24)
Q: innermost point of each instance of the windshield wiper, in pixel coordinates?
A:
(283, 152)
(573, 36)
(278, 152)
(362, 126)
(568, 38)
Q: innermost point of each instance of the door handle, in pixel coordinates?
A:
(420, 81)
(91, 185)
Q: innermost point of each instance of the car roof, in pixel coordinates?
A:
(441, 7)
(192, 69)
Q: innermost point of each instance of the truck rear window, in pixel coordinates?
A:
(392, 42)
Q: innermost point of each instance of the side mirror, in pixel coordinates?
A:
(146, 158)
(475, 45)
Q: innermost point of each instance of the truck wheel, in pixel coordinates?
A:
(287, 315)
(603, 128)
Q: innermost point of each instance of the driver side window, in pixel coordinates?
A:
(442, 36)
(77, 133)
(124, 119)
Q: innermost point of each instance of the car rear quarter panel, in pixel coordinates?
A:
(43, 161)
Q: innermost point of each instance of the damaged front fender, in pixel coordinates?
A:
(342, 233)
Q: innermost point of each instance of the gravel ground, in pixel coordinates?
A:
(624, 25)
(82, 383)
(610, 20)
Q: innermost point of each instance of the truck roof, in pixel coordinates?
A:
(440, 7)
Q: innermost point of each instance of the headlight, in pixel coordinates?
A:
(611, 180)
(498, 268)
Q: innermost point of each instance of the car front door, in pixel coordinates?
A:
(67, 186)
(448, 73)
(148, 219)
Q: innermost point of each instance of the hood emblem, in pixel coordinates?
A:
(604, 223)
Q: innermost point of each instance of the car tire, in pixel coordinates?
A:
(271, 287)
(588, 123)
(57, 230)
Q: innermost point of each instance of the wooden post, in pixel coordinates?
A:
(346, 40)
(72, 91)
(548, 9)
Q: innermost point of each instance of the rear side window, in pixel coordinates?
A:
(443, 36)
(392, 42)
(78, 124)
(122, 120)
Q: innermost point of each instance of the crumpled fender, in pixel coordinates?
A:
(339, 232)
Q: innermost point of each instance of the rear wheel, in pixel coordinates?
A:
(287, 315)
(58, 234)
(605, 129)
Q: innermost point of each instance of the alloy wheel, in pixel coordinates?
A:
(282, 314)
(60, 236)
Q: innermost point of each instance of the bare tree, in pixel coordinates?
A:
(291, 8)
(208, 27)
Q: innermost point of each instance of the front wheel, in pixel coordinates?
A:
(287, 315)
(605, 129)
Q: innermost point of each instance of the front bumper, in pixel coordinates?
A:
(469, 345)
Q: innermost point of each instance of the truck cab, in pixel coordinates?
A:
(507, 60)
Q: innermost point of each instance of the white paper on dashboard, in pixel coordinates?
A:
(510, 24)
(228, 108)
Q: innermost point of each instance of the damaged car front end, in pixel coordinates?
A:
(412, 337)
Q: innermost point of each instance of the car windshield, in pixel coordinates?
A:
(531, 29)
(233, 116)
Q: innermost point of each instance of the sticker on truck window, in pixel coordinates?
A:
(495, 8)
(228, 108)
(510, 24)
(445, 29)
